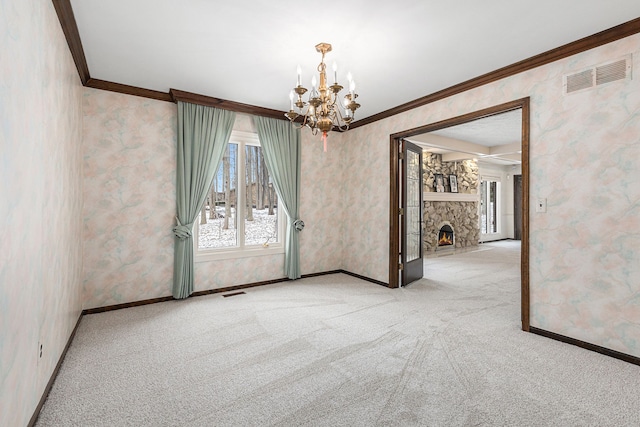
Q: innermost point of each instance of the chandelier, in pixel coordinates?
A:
(322, 112)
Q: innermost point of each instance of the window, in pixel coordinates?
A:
(240, 216)
(489, 202)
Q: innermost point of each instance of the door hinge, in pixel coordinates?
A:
(401, 156)
(400, 267)
(401, 211)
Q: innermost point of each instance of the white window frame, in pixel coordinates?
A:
(243, 139)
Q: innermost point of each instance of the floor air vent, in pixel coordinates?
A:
(592, 77)
(233, 294)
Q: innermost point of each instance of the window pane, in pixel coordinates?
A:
(493, 207)
(413, 224)
(218, 227)
(489, 207)
(261, 201)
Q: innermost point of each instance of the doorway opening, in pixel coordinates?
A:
(396, 239)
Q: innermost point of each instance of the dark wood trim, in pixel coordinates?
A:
(323, 273)
(465, 118)
(194, 98)
(213, 291)
(129, 90)
(263, 283)
(607, 36)
(54, 374)
(394, 230)
(368, 279)
(525, 301)
(587, 346)
(239, 287)
(125, 305)
(70, 29)
(394, 215)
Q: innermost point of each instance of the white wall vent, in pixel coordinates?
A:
(578, 81)
(612, 71)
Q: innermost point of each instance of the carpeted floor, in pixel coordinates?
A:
(337, 351)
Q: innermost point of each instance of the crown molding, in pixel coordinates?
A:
(129, 90)
(70, 29)
(607, 36)
(194, 98)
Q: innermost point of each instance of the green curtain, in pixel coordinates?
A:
(203, 135)
(281, 147)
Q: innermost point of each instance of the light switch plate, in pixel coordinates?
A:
(541, 205)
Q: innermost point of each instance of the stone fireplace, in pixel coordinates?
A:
(457, 211)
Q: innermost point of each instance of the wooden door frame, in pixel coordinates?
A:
(394, 222)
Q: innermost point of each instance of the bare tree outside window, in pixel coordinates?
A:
(241, 188)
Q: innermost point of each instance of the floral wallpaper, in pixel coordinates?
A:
(129, 147)
(41, 187)
(584, 151)
(366, 202)
(322, 204)
(129, 190)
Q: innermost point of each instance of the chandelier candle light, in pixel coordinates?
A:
(322, 111)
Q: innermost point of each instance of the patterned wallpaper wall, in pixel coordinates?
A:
(129, 147)
(129, 189)
(41, 188)
(585, 151)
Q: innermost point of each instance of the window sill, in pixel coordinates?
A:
(220, 254)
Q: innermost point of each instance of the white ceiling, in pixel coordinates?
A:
(247, 50)
(495, 139)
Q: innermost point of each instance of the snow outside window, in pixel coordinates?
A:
(240, 216)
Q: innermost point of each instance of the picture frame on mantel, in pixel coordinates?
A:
(439, 181)
(453, 182)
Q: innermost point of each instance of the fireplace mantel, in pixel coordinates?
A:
(431, 196)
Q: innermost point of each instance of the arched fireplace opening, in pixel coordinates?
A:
(446, 236)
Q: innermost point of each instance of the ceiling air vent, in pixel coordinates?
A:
(608, 72)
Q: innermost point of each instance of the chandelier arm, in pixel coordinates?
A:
(342, 124)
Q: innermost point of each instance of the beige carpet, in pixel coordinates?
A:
(338, 351)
